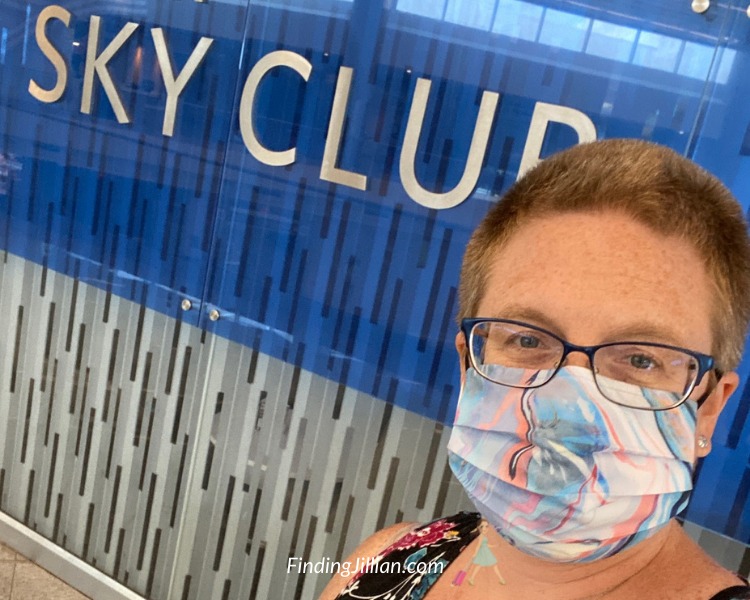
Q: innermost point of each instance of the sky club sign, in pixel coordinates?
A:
(177, 79)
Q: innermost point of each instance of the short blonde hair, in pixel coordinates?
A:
(653, 185)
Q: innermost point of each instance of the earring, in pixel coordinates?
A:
(702, 441)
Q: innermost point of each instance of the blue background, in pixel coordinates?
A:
(359, 287)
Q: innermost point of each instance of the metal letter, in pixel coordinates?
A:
(543, 114)
(54, 56)
(279, 58)
(474, 160)
(174, 86)
(328, 170)
(97, 65)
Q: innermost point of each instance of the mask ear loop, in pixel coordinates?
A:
(703, 398)
(710, 389)
(467, 366)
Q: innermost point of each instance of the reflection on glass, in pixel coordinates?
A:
(433, 9)
(695, 58)
(3, 45)
(725, 61)
(611, 41)
(657, 51)
(564, 30)
(518, 20)
(471, 13)
(559, 29)
(320, 7)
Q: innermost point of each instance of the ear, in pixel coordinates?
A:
(462, 356)
(708, 413)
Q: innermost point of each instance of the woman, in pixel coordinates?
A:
(603, 307)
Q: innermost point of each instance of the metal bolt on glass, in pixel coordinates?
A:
(186, 305)
(214, 315)
(700, 6)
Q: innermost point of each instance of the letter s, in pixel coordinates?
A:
(51, 12)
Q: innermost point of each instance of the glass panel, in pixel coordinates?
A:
(721, 144)
(337, 290)
(106, 228)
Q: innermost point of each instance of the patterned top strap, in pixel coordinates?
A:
(409, 567)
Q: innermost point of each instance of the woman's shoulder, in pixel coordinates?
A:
(404, 556)
(368, 549)
(684, 567)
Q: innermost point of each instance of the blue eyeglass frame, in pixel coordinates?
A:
(705, 362)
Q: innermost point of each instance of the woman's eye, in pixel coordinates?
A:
(640, 361)
(527, 341)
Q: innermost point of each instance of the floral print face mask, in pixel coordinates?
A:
(566, 475)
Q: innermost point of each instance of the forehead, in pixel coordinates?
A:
(596, 277)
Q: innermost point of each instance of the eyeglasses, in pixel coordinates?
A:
(640, 375)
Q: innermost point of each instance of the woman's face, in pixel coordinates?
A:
(593, 278)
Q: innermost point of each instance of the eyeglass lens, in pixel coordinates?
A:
(637, 375)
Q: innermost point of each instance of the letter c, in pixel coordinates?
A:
(279, 58)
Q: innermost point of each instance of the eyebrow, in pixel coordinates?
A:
(639, 331)
(517, 312)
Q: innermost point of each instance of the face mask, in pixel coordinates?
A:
(563, 473)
